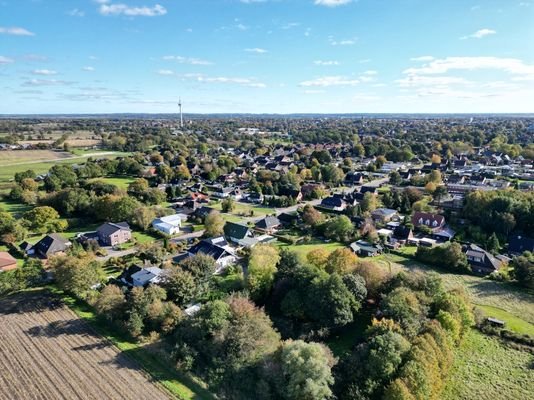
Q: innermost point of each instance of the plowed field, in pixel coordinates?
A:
(47, 352)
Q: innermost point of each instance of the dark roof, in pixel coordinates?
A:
(518, 244)
(332, 202)
(487, 261)
(268, 222)
(207, 248)
(402, 232)
(51, 244)
(238, 231)
(368, 189)
(288, 218)
(109, 228)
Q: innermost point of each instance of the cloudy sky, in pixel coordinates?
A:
(266, 56)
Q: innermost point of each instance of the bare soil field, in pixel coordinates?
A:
(47, 352)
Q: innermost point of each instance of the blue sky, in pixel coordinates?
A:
(279, 56)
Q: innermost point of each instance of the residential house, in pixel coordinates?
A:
(402, 234)
(354, 178)
(444, 234)
(518, 244)
(288, 219)
(334, 203)
(51, 245)
(431, 221)
(481, 261)
(7, 261)
(383, 215)
(268, 224)
(202, 212)
(256, 198)
(366, 249)
(169, 225)
(239, 234)
(113, 234)
(135, 276)
(218, 249)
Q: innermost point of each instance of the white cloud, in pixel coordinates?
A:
(187, 60)
(76, 13)
(327, 81)
(256, 50)
(418, 81)
(46, 82)
(44, 72)
(441, 66)
(246, 82)
(344, 42)
(122, 9)
(370, 72)
(88, 69)
(313, 91)
(422, 58)
(332, 3)
(290, 25)
(5, 60)
(15, 31)
(165, 72)
(326, 63)
(480, 34)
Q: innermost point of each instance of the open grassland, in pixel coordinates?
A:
(507, 297)
(486, 369)
(47, 352)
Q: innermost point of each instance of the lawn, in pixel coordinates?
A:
(245, 209)
(142, 237)
(302, 250)
(512, 322)
(160, 368)
(486, 369)
(121, 182)
(13, 207)
(508, 297)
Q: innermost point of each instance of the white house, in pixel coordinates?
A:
(169, 225)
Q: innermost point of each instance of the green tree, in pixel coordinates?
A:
(111, 303)
(43, 220)
(369, 202)
(306, 368)
(524, 269)
(214, 224)
(339, 228)
(180, 286)
(262, 264)
(341, 261)
(228, 205)
(76, 275)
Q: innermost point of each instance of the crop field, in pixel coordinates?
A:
(8, 168)
(47, 352)
(11, 157)
(486, 369)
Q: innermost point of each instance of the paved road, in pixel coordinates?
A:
(187, 236)
(117, 254)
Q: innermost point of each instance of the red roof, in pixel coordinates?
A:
(7, 261)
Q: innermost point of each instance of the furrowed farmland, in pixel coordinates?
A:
(47, 352)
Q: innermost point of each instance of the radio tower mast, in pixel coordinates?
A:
(181, 116)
